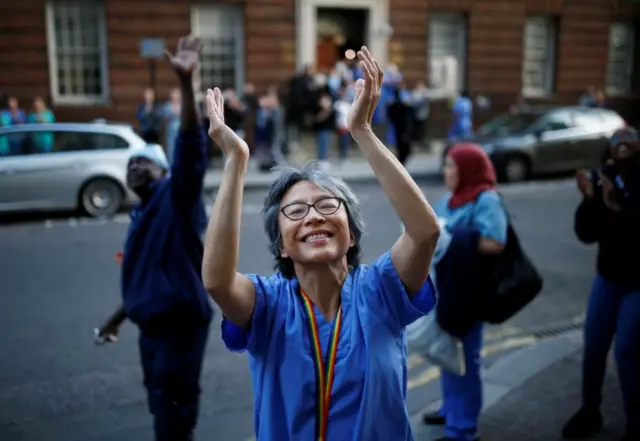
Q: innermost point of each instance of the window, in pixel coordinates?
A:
(447, 53)
(620, 62)
(222, 32)
(589, 120)
(539, 53)
(31, 143)
(557, 121)
(85, 141)
(507, 125)
(77, 52)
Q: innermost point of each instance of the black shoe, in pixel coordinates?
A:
(433, 419)
(583, 424)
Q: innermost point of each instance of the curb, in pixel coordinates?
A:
(515, 369)
(264, 181)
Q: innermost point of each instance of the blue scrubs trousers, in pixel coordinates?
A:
(462, 395)
(171, 365)
(612, 310)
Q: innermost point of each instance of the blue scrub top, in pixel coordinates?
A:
(462, 126)
(486, 213)
(370, 385)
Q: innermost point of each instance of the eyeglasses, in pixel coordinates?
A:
(299, 210)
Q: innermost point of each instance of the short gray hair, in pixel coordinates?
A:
(312, 172)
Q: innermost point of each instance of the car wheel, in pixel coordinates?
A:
(516, 169)
(101, 198)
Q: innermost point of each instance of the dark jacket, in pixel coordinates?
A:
(617, 234)
(161, 271)
(460, 283)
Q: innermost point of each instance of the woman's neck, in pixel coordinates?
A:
(323, 284)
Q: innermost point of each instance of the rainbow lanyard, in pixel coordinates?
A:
(325, 377)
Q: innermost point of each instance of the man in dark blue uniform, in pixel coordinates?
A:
(161, 282)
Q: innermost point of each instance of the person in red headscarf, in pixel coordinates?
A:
(471, 202)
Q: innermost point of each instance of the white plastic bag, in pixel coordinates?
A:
(425, 337)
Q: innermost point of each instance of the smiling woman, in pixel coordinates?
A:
(309, 192)
(321, 300)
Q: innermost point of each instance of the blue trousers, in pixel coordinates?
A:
(612, 310)
(344, 142)
(323, 143)
(462, 395)
(171, 366)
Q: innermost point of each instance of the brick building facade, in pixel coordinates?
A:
(85, 56)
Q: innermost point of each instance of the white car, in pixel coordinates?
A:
(66, 166)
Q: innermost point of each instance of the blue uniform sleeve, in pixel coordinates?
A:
(490, 218)
(388, 298)
(188, 168)
(254, 337)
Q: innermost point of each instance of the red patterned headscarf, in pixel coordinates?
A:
(475, 173)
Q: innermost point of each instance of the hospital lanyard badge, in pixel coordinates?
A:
(324, 373)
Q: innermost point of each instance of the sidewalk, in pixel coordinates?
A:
(531, 393)
(354, 170)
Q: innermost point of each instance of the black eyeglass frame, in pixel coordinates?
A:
(309, 206)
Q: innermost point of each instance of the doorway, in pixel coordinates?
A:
(339, 29)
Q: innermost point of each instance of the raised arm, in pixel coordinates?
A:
(411, 255)
(190, 157)
(234, 293)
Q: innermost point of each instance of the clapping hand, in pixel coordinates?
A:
(187, 56)
(367, 93)
(608, 193)
(585, 185)
(225, 138)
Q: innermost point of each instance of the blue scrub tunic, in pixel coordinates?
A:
(370, 385)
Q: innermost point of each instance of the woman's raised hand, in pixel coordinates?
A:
(221, 134)
(367, 93)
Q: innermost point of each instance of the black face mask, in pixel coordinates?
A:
(140, 180)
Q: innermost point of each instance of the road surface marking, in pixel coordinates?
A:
(416, 360)
(433, 372)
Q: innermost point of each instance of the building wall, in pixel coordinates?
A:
(24, 64)
(494, 48)
(493, 59)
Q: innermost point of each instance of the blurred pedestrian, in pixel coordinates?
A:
(171, 116)
(462, 113)
(609, 215)
(43, 115)
(10, 116)
(321, 300)
(472, 201)
(161, 280)
(400, 113)
(149, 117)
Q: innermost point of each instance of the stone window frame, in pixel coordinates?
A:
(221, 27)
(78, 64)
(620, 65)
(539, 45)
(447, 53)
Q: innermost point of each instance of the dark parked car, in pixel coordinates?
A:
(545, 140)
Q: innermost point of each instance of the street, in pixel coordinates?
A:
(60, 280)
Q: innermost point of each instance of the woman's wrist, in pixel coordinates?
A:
(363, 134)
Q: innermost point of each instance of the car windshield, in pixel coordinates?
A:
(506, 125)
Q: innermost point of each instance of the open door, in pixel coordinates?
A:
(326, 53)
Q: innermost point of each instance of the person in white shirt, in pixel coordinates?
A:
(341, 107)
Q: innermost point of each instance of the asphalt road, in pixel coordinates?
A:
(59, 280)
